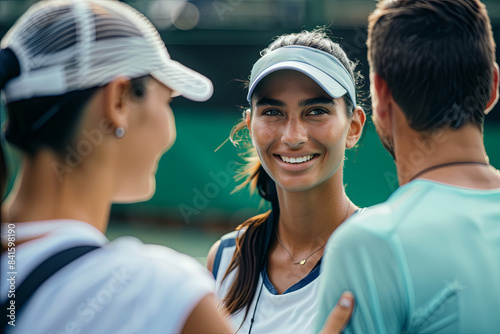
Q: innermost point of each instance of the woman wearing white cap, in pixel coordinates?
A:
(91, 136)
(302, 117)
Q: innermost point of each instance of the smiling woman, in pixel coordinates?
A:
(301, 143)
(302, 117)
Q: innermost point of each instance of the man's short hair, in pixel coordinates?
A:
(437, 57)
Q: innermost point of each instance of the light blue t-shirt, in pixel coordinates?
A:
(425, 261)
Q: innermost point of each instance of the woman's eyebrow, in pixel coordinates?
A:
(265, 101)
(317, 100)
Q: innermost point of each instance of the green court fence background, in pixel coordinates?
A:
(194, 183)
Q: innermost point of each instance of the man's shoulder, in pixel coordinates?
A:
(377, 220)
(386, 217)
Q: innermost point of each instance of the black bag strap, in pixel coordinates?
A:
(38, 276)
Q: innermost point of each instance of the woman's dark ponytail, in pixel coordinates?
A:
(9, 66)
(251, 249)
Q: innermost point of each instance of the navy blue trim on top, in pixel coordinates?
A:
(313, 274)
(229, 242)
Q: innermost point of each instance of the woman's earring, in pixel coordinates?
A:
(120, 132)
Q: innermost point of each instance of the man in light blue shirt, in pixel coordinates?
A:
(428, 259)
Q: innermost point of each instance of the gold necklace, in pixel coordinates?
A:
(303, 262)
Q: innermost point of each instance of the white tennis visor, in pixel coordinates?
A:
(322, 67)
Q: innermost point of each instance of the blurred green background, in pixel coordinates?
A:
(193, 205)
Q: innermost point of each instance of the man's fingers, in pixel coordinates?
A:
(340, 315)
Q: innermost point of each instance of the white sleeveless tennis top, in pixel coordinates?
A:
(294, 311)
(123, 287)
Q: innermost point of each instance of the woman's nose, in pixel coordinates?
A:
(295, 133)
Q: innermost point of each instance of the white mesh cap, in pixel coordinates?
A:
(68, 45)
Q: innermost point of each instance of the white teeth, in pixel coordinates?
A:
(297, 160)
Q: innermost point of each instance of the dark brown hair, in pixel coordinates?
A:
(251, 247)
(437, 57)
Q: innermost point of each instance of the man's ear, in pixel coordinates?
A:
(356, 128)
(494, 90)
(382, 101)
(116, 102)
